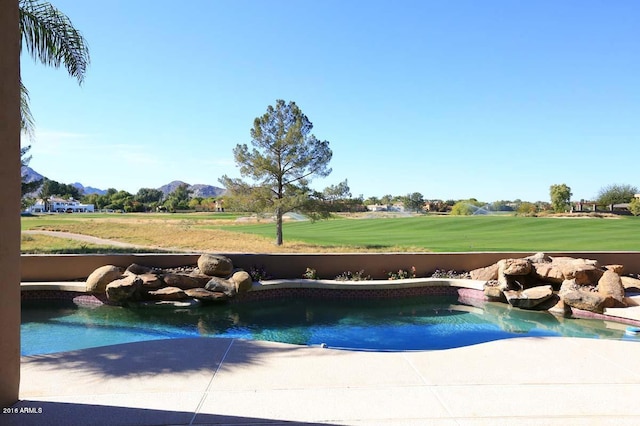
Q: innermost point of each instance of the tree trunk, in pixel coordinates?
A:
(278, 227)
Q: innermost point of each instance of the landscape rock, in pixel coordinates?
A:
(504, 281)
(548, 272)
(202, 278)
(151, 281)
(242, 281)
(559, 308)
(515, 266)
(493, 291)
(573, 260)
(584, 271)
(618, 269)
(529, 298)
(579, 297)
(124, 289)
(215, 265)
(485, 274)
(168, 293)
(140, 282)
(136, 269)
(512, 273)
(183, 281)
(538, 258)
(97, 281)
(206, 295)
(588, 276)
(217, 284)
(610, 286)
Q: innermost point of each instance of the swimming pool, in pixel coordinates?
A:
(409, 323)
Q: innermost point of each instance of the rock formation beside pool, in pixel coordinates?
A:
(545, 282)
(213, 280)
(539, 282)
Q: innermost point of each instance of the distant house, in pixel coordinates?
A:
(60, 205)
(592, 206)
(397, 207)
(37, 207)
(377, 207)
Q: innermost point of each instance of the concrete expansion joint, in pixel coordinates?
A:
(429, 385)
(208, 388)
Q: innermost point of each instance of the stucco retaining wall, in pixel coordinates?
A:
(289, 266)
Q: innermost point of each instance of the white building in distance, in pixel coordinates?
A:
(60, 205)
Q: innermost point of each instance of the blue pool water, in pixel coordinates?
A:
(417, 323)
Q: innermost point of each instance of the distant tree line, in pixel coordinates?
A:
(333, 199)
(145, 200)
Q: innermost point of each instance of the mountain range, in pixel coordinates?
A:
(197, 190)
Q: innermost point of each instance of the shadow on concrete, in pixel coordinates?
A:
(68, 414)
(161, 356)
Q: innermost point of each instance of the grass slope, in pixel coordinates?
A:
(472, 233)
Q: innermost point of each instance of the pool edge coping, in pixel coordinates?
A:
(630, 315)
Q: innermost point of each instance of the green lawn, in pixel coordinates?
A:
(465, 233)
(420, 233)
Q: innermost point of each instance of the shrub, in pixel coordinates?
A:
(465, 207)
(634, 206)
(527, 208)
(402, 274)
(310, 274)
(353, 276)
(259, 273)
(441, 273)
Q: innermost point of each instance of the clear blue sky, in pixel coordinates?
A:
(453, 99)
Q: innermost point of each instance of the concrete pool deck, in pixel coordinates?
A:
(225, 381)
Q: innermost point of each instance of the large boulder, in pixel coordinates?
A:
(548, 272)
(516, 267)
(513, 274)
(215, 265)
(136, 269)
(584, 271)
(610, 286)
(242, 281)
(183, 281)
(485, 274)
(151, 281)
(220, 285)
(580, 297)
(529, 298)
(125, 289)
(97, 281)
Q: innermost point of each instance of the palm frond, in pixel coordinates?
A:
(50, 38)
(27, 124)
